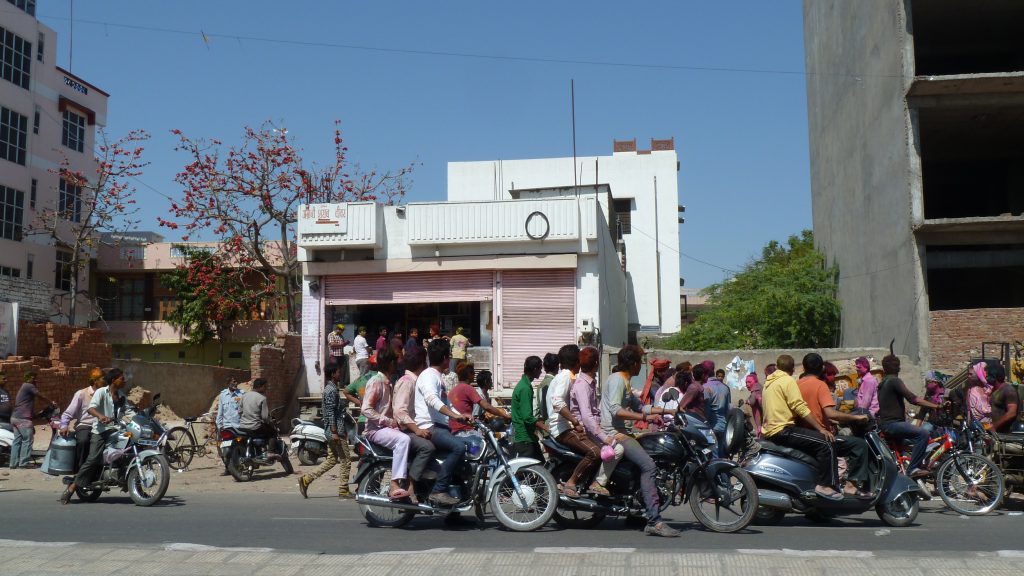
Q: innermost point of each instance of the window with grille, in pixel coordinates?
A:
(40, 46)
(70, 202)
(12, 213)
(29, 6)
(8, 271)
(133, 253)
(15, 58)
(74, 131)
(13, 136)
(624, 212)
(62, 279)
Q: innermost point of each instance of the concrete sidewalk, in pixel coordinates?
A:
(30, 559)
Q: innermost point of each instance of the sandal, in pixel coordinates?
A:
(596, 488)
(399, 495)
(832, 495)
(570, 491)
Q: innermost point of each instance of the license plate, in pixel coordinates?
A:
(226, 444)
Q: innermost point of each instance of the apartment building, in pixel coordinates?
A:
(915, 109)
(47, 115)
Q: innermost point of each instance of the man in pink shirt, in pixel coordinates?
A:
(867, 394)
(78, 411)
(404, 411)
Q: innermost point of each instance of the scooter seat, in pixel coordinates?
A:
(300, 422)
(6, 426)
(793, 453)
(561, 449)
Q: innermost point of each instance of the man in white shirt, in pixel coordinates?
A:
(104, 408)
(565, 428)
(362, 348)
(432, 414)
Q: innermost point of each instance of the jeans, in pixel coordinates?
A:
(21, 446)
(527, 450)
(446, 442)
(648, 490)
(908, 433)
(814, 444)
(363, 365)
(422, 451)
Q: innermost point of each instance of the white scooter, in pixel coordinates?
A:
(308, 441)
(6, 439)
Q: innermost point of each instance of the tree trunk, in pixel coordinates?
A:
(221, 333)
(74, 290)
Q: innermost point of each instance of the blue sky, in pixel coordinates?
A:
(740, 131)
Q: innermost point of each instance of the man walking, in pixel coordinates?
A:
(362, 349)
(333, 413)
(229, 411)
(459, 344)
(22, 421)
(382, 340)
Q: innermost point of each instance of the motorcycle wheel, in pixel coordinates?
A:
(741, 504)
(901, 512)
(235, 468)
(957, 491)
(155, 468)
(534, 508)
(286, 463)
(768, 516)
(377, 482)
(307, 456)
(86, 495)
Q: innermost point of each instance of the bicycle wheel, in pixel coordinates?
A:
(179, 447)
(969, 484)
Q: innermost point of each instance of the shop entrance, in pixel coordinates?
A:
(422, 315)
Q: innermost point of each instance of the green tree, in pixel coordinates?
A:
(215, 291)
(785, 299)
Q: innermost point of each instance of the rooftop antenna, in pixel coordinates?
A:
(572, 100)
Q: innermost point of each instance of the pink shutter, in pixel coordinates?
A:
(409, 288)
(538, 315)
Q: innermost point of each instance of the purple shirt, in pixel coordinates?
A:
(867, 394)
(583, 405)
(25, 402)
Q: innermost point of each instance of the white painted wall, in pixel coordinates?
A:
(630, 175)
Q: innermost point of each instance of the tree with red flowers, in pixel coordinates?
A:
(89, 211)
(215, 290)
(248, 196)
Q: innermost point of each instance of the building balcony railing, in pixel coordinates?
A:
(550, 220)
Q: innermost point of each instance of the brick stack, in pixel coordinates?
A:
(61, 356)
(280, 364)
(956, 335)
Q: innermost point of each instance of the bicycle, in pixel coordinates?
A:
(179, 442)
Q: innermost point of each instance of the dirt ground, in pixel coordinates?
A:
(202, 475)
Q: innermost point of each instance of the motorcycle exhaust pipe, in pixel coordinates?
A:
(588, 505)
(773, 499)
(374, 500)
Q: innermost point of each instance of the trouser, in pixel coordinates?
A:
(814, 444)
(527, 450)
(648, 489)
(445, 441)
(908, 433)
(855, 450)
(422, 452)
(21, 446)
(581, 444)
(94, 463)
(398, 443)
(337, 453)
(723, 449)
(608, 466)
(83, 436)
(363, 365)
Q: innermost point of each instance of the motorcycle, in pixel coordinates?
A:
(786, 479)
(687, 472)
(308, 441)
(6, 439)
(132, 461)
(520, 492)
(248, 454)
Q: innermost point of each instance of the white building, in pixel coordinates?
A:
(523, 271)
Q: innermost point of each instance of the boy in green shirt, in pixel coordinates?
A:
(524, 422)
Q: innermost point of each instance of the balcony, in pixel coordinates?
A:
(504, 221)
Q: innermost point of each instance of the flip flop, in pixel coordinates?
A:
(398, 495)
(834, 496)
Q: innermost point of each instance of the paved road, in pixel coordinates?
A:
(284, 521)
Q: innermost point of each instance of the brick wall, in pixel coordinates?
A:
(32, 296)
(281, 365)
(956, 335)
(61, 356)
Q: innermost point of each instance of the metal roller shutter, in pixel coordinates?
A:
(409, 288)
(538, 315)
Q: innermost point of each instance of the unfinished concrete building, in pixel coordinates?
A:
(916, 116)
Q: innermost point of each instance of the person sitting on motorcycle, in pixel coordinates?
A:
(78, 411)
(892, 414)
(433, 414)
(403, 405)
(822, 403)
(692, 401)
(565, 428)
(618, 404)
(381, 427)
(465, 400)
(525, 423)
(584, 407)
(1005, 401)
(104, 407)
(255, 417)
(783, 405)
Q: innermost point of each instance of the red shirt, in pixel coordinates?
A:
(462, 399)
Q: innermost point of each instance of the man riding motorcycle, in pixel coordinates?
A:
(104, 407)
(892, 414)
(255, 419)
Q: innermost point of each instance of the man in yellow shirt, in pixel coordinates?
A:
(783, 405)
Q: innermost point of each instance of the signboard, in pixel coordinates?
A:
(323, 219)
(8, 329)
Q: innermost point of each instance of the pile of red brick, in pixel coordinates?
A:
(61, 356)
(280, 365)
